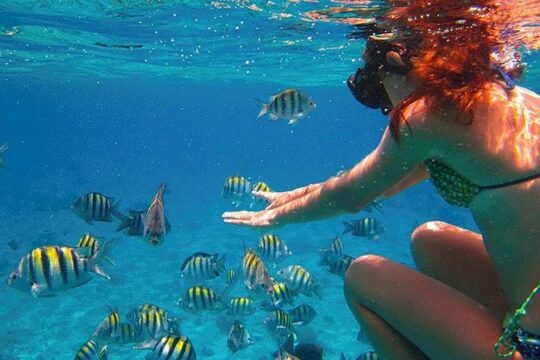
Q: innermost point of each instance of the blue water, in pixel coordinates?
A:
(122, 134)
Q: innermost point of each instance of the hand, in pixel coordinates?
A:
(279, 207)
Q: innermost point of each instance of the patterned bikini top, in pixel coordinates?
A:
(458, 190)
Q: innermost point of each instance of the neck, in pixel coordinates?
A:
(397, 87)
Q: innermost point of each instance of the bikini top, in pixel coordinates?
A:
(458, 190)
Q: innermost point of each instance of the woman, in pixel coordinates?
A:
(459, 118)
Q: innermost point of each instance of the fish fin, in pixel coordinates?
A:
(167, 226)
(317, 291)
(148, 344)
(293, 121)
(220, 265)
(107, 247)
(274, 117)
(348, 227)
(36, 289)
(103, 353)
(94, 263)
(264, 108)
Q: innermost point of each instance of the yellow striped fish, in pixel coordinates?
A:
(256, 275)
(91, 350)
(290, 104)
(88, 245)
(133, 222)
(281, 295)
(302, 315)
(50, 269)
(299, 279)
(199, 298)
(203, 266)
(272, 248)
(109, 329)
(261, 186)
(236, 187)
(332, 253)
(279, 324)
(170, 348)
(94, 207)
(232, 277)
(241, 306)
(152, 320)
(128, 334)
(340, 267)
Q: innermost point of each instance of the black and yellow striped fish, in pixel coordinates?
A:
(128, 334)
(200, 298)
(88, 245)
(152, 320)
(109, 329)
(261, 186)
(170, 348)
(202, 266)
(340, 267)
(133, 222)
(236, 186)
(241, 306)
(290, 104)
(94, 207)
(299, 279)
(232, 277)
(272, 248)
(256, 275)
(279, 324)
(367, 227)
(91, 350)
(332, 253)
(281, 296)
(302, 314)
(50, 269)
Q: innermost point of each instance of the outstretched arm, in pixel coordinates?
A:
(378, 173)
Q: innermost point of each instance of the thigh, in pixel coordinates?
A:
(439, 320)
(458, 258)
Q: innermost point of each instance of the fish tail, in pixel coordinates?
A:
(94, 263)
(348, 227)
(220, 265)
(264, 108)
(162, 188)
(125, 221)
(317, 291)
(107, 247)
(148, 344)
(114, 211)
(103, 353)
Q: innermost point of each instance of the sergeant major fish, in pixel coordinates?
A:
(169, 348)
(236, 188)
(109, 329)
(88, 245)
(290, 104)
(367, 227)
(256, 275)
(302, 314)
(202, 266)
(91, 350)
(155, 223)
(340, 267)
(47, 270)
(133, 222)
(94, 206)
(263, 187)
(272, 248)
(333, 253)
(300, 280)
(199, 298)
(152, 320)
(280, 296)
(240, 306)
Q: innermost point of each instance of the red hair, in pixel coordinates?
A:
(453, 46)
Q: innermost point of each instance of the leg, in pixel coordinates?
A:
(441, 322)
(458, 258)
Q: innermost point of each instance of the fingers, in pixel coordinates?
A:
(237, 215)
(266, 195)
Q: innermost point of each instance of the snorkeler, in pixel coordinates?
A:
(457, 117)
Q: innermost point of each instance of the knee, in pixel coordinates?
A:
(361, 276)
(425, 236)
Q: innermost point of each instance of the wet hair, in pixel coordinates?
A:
(455, 48)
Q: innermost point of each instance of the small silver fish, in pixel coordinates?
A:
(367, 227)
(290, 104)
(238, 337)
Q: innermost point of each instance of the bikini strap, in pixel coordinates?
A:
(510, 183)
(504, 347)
